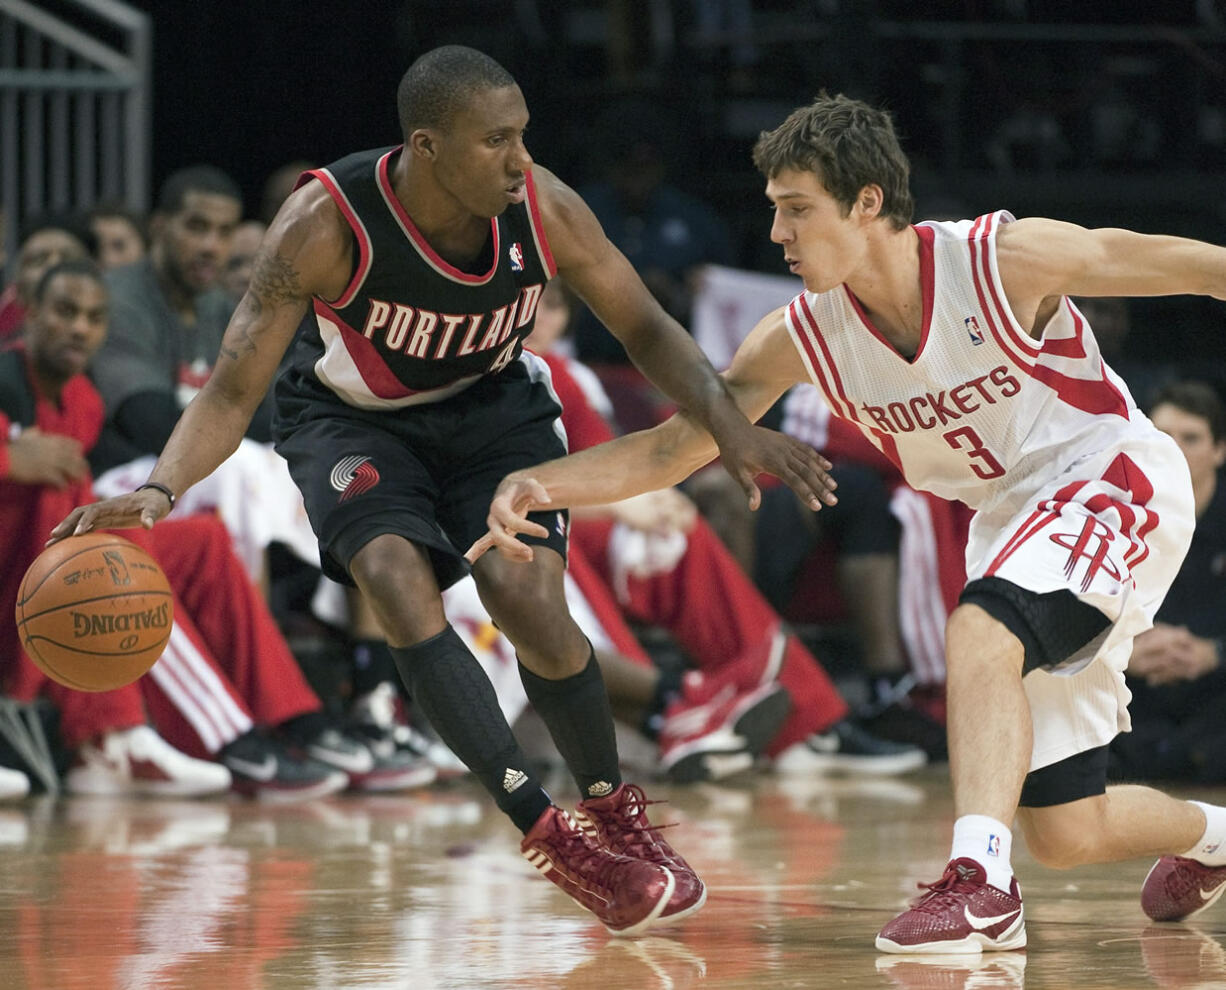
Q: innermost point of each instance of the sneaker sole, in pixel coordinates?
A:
(393, 780)
(266, 794)
(162, 788)
(881, 766)
(972, 944)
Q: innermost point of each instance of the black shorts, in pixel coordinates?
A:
(426, 472)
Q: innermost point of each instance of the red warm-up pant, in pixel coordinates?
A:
(715, 614)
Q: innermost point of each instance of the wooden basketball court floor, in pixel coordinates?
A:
(428, 891)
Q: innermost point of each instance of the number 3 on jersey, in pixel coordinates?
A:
(983, 464)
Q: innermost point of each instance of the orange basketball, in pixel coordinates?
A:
(94, 611)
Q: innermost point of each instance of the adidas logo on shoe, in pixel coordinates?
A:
(601, 788)
(513, 779)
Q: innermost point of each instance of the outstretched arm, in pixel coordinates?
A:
(764, 367)
(304, 252)
(1041, 260)
(658, 344)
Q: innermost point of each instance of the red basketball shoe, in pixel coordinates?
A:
(718, 726)
(627, 895)
(1177, 888)
(619, 823)
(961, 913)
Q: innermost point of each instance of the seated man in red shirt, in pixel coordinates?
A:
(226, 669)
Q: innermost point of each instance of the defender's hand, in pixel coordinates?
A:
(508, 515)
(142, 508)
(800, 467)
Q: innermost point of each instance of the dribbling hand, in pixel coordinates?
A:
(140, 508)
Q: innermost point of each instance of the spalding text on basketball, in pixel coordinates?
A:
(95, 623)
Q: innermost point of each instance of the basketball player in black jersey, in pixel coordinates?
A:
(407, 278)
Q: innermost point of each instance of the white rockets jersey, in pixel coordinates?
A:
(983, 413)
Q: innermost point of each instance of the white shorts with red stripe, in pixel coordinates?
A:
(1113, 530)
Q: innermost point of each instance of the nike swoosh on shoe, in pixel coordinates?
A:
(263, 771)
(979, 924)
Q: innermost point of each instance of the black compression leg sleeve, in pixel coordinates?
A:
(576, 711)
(448, 683)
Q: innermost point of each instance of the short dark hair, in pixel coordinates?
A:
(1196, 399)
(442, 82)
(195, 178)
(77, 266)
(849, 145)
(119, 211)
(69, 223)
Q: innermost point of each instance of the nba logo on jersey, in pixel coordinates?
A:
(972, 328)
(993, 845)
(561, 525)
(517, 257)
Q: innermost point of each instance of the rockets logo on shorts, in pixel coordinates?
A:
(353, 475)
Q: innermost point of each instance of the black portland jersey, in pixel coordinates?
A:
(411, 328)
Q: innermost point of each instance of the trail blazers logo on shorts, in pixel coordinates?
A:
(353, 475)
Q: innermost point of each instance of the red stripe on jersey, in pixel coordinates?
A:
(1073, 347)
(883, 440)
(1019, 338)
(432, 257)
(927, 237)
(376, 375)
(359, 233)
(1097, 396)
(806, 328)
(978, 265)
(538, 227)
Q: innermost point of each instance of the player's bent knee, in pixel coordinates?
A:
(1065, 836)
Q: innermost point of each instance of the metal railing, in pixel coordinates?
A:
(74, 109)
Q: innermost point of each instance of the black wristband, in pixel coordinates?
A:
(158, 486)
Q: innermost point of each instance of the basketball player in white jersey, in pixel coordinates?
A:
(956, 349)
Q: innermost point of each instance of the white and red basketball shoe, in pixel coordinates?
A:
(1177, 888)
(720, 723)
(626, 894)
(961, 913)
(619, 823)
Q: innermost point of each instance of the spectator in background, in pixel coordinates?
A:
(1176, 674)
(121, 233)
(279, 185)
(226, 667)
(665, 233)
(43, 241)
(168, 314)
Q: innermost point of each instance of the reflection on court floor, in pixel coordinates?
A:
(428, 891)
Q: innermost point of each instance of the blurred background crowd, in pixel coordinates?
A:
(163, 164)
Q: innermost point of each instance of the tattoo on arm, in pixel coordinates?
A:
(273, 283)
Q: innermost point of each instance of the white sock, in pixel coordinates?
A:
(989, 843)
(1210, 848)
